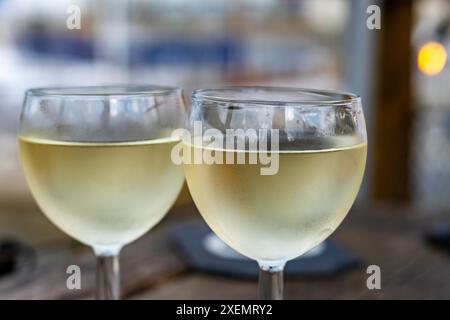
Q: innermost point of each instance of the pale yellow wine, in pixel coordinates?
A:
(102, 193)
(278, 217)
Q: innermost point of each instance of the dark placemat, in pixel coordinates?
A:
(196, 240)
(438, 235)
(14, 256)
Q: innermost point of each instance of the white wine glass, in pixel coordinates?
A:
(98, 163)
(318, 139)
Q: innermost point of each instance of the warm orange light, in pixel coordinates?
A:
(432, 58)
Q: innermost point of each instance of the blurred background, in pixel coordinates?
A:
(401, 71)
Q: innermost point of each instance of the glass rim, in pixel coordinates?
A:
(103, 90)
(329, 97)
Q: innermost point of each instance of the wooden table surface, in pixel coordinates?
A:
(152, 268)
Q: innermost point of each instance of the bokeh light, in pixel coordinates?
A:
(432, 58)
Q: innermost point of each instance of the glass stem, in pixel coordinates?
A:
(271, 281)
(108, 276)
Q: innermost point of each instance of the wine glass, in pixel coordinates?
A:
(274, 211)
(98, 163)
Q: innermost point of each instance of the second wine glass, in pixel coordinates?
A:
(274, 171)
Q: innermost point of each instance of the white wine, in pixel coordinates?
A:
(102, 194)
(278, 217)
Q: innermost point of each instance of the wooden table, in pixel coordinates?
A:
(153, 269)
